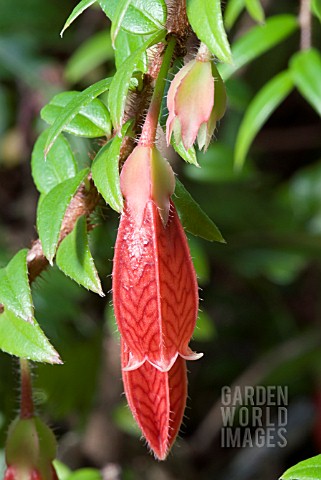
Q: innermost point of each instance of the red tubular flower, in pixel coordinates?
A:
(155, 291)
(157, 401)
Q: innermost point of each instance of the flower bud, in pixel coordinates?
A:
(196, 100)
(30, 450)
(147, 176)
(157, 401)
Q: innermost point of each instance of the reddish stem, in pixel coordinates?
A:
(147, 138)
(148, 135)
(26, 401)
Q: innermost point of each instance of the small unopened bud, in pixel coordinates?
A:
(30, 450)
(196, 101)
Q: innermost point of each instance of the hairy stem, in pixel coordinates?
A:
(148, 135)
(305, 24)
(26, 401)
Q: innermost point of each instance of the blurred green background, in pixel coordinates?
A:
(261, 303)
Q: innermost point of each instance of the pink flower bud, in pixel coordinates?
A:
(30, 451)
(157, 401)
(155, 292)
(196, 100)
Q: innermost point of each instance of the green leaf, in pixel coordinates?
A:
(316, 8)
(232, 12)
(57, 167)
(70, 111)
(205, 17)
(25, 340)
(141, 17)
(91, 120)
(83, 5)
(304, 194)
(120, 84)
(193, 218)
(91, 54)
(188, 155)
(105, 171)
(200, 260)
(217, 166)
(306, 70)
(51, 210)
(15, 292)
(258, 40)
(307, 470)
(260, 109)
(85, 474)
(62, 470)
(123, 418)
(126, 43)
(205, 329)
(74, 258)
(255, 9)
(111, 323)
(119, 15)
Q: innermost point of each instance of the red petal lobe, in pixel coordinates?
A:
(157, 401)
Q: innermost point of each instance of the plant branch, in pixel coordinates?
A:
(305, 24)
(177, 23)
(83, 203)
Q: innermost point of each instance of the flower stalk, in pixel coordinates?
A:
(31, 445)
(148, 135)
(26, 400)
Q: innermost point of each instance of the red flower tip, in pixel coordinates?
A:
(157, 401)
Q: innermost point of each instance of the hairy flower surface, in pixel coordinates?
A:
(196, 100)
(157, 401)
(154, 283)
